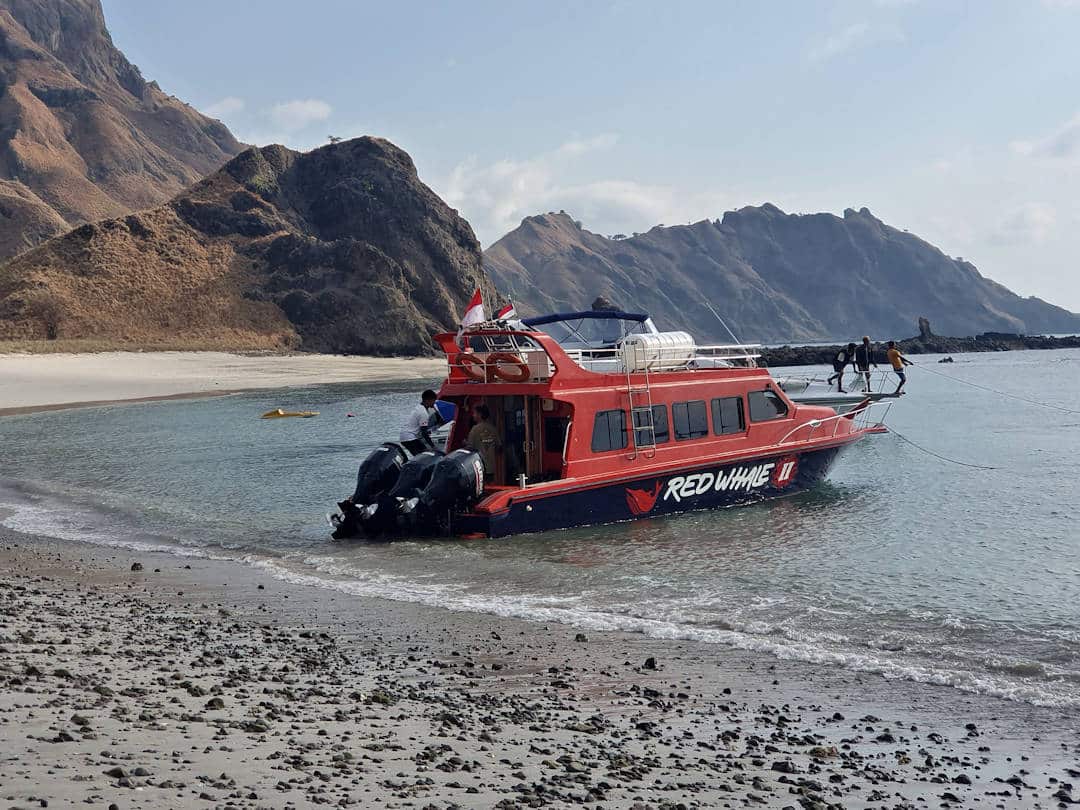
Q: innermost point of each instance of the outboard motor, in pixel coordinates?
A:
(378, 474)
(456, 482)
(381, 516)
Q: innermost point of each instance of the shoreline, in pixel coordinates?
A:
(275, 683)
(57, 381)
(100, 403)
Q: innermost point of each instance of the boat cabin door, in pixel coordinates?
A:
(521, 438)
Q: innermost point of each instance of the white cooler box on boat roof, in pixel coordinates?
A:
(657, 351)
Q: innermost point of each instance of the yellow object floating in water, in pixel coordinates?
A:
(277, 413)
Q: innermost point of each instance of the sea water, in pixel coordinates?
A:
(901, 563)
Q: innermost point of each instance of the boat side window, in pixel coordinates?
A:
(690, 419)
(656, 433)
(609, 431)
(727, 416)
(766, 405)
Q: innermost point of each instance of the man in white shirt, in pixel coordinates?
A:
(416, 432)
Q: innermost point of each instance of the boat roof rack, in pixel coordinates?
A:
(601, 314)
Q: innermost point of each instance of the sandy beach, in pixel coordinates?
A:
(147, 680)
(30, 382)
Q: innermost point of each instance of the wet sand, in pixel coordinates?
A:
(148, 680)
(30, 382)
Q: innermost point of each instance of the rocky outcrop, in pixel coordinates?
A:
(926, 342)
(769, 275)
(341, 249)
(83, 136)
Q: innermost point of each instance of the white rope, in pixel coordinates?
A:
(999, 393)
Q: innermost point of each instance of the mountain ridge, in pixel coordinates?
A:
(772, 276)
(341, 249)
(83, 135)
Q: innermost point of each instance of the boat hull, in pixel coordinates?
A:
(713, 486)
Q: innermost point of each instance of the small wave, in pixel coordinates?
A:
(531, 607)
(1011, 680)
(39, 520)
(1024, 669)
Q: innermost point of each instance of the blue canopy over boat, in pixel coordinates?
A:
(601, 314)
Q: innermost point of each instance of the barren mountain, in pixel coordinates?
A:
(341, 249)
(771, 276)
(82, 135)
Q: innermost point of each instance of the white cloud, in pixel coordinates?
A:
(298, 114)
(596, 143)
(495, 197)
(1061, 145)
(230, 105)
(1028, 224)
(854, 36)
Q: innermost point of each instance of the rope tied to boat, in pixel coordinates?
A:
(919, 447)
(999, 393)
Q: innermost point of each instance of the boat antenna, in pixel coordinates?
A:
(727, 328)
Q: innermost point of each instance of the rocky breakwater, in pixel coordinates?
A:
(926, 342)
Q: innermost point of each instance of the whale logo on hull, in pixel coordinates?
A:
(642, 501)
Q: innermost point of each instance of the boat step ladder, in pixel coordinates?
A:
(639, 393)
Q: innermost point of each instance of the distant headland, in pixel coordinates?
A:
(926, 342)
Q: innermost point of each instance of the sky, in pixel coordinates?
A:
(957, 121)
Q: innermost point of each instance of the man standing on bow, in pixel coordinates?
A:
(844, 358)
(898, 361)
(864, 358)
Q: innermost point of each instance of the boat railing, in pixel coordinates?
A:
(509, 364)
(866, 417)
(794, 383)
(633, 358)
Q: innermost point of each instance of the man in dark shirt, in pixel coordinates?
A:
(843, 359)
(864, 358)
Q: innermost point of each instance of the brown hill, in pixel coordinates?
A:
(772, 277)
(342, 249)
(82, 135)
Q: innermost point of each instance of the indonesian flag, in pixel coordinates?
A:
(474, 312)
(507, 313)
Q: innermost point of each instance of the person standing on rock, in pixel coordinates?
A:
(898, 361)
(864, 358)
(416, 433)
(843, 359)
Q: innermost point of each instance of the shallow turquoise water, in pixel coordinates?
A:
(900, 563)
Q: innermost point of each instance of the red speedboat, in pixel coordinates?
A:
(602, 419)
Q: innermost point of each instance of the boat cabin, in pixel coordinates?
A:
(592, 394)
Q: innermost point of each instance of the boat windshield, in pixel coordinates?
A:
(591, 330)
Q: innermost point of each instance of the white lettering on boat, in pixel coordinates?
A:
(742, 478)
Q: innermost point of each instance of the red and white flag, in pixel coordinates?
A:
(507, 313)
(474, 312)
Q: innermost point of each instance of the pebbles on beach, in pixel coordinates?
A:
(117, 692)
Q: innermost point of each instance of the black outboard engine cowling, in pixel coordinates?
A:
(457, 481)
(416, 474)
(378, 474)
(414, 477)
